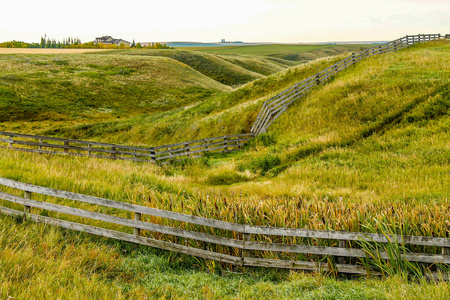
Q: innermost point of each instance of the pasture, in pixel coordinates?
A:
(370, 147)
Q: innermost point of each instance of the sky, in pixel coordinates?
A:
(285, 21)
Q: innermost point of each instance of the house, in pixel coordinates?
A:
(108, 40)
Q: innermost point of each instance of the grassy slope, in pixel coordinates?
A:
(227, 113)
(385, 154)
(210, 65)
(67, 87)
(293, 53)
(38, 262)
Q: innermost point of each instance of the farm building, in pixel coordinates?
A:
(109, 40)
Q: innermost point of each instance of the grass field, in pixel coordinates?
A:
(295, 53)
(370, 146)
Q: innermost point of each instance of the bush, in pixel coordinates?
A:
(261, 163)
(226, 178)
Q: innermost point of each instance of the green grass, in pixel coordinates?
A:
(39, 262)
(210, 65)
(280, 52)
(369, 146)
(74, 87)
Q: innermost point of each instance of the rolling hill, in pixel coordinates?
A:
(369, 147)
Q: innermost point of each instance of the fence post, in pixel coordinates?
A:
(40, 146)
(137, 217)
(187, 150)
(26, 208)
(113, 154)
(342, 244)
(89, 150)
(225, 139)
(11, 142)
(445, 251)
(318, 79)
(153, 152)
(246, 237)
(66, 147)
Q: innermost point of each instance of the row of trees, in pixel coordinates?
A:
(75, 43)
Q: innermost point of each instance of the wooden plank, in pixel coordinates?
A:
(130, 238)
(122, 205)
(305, 265)
(262, 120)
(125, 222)
(68, 147)
(346, 235)
(258, 117)
(336, 251)
(196, 151)
(73, 154)
(48, 138)
(202, 146)
(282, 110)
(305, 249)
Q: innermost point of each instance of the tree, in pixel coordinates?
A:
(138, 46)
(133, 45)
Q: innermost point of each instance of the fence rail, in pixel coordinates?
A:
(270, 111)
(52, 145)
(251, 245)
(276, 105)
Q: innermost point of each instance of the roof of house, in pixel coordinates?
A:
(110, 39)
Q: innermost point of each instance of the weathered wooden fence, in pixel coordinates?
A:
(270, 111)
(51, 145)
(250, 245)
(276, 105)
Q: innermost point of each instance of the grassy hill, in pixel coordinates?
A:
(210, 65)
(67, 87)
(286, 53)
(369, 146)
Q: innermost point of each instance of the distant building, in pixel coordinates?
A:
(108, 40)
(223, 41)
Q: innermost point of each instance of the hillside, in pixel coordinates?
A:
(68, 87)
(294, 53)
(209, 65)
(371, 134)
(369, 148)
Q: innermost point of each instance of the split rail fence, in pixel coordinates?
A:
(276, 105)
(270, 111)
(51, 145)
(249, 243)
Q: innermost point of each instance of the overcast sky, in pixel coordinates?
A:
(289, 21)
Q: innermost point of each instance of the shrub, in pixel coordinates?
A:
(261, 163)
(226, 178)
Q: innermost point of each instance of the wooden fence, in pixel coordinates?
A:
(270, 111)
(51, 145)
(276, 105)
(250, 245)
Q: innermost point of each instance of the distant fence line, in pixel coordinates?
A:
(248, 248)
(269, 112)
(52, 145)
(276, 105)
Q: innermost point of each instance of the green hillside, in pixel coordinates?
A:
(290, 53)
(369, 147)
(210, 65)
(67, 87)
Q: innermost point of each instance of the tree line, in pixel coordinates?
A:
(75, 43)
